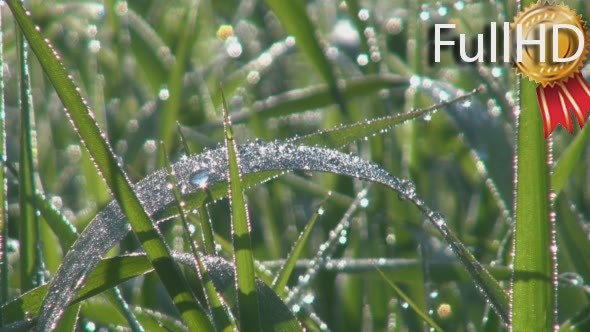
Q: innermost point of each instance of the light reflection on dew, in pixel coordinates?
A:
(362, 59)
(200, 178)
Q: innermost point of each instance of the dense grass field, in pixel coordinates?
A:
(280, 165)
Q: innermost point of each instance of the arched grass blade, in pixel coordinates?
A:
(29, 228)
(408, 300)
(107, 164)
(248, 316)
(280, 282)
(259, 161)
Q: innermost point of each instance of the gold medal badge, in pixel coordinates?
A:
(562, 87)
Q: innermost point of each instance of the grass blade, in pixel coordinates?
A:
(249, 316)
(115, 177)
(408, 300)
(30, 255)
(260, 162)
(297, 23)
(175, 83)
(568, 160)
(222, 318)
(3, 200)
(280, 282)
(532, 298)
(340, 136)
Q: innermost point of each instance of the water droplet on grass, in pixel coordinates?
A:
(200, 178)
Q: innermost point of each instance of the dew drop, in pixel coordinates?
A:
(200, 178)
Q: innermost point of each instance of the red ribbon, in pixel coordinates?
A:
(556, 101)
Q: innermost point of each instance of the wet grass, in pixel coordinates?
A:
(356, 187)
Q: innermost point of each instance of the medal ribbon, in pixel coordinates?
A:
(556, 101)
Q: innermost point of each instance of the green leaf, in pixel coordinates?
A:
(175, 83)
(408, 300)
(532, 297)
(316, 97)
(115, 177)
(281, 279)
(3, 197)
(568, 160)
(249, 316)
(29, 228)
(297, 23)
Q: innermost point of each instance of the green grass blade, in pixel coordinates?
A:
(532, 298)
(573, 237)
(280, 282)
(408, 300)
(30, 259)
(316, 97)
(145, 44)
(297, 23)
(568, 160)
(3, 197)
(115, 177)
(249, 316)
(340, 136)
(175, 83)
(60, 225)
(70, 320)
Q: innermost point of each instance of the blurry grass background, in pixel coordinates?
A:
(144, 66)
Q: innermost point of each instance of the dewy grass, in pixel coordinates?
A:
(288, 85)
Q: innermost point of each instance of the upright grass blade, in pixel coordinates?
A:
(296, 21)
(532, 299)
(175, 83)
(30, 255)
(222, 319)
(3, 197)
(249, 316)
(280, 282)
(116, 179)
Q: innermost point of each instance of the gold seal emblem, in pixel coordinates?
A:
(547, 16)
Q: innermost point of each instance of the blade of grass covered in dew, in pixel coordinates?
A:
(249, 317)
(294, 18)
(532, 299)
(3, 187)
(281, 279)
(172, 105)
(568, 160)
(315, 97)
(222, 318)
(206, 227)
(336, 138)
(340, 136)
(91, 135)
(29, 228)
(408, 300)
